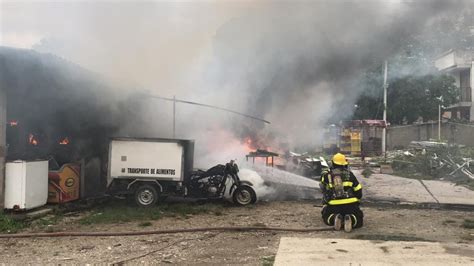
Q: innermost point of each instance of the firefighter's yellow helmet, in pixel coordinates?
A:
(339, 159)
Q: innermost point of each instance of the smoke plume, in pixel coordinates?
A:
(296, 63)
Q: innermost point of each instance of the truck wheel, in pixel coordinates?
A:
(146, 196)
(244, 195)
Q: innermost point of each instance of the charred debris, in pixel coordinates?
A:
(433, 160)
(60, 112)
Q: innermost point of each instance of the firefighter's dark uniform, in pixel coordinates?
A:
(347, 203)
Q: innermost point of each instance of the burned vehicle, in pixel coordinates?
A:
(149, 170)
(306, 165)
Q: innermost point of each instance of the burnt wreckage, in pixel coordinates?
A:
(63, 113)
(54, 113)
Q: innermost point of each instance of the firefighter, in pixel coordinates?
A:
(341, 195)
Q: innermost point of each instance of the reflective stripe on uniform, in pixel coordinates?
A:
(343, 201)
(347, 184)
(327, 186)
(355, 219)
(329, 218)
(358, 187)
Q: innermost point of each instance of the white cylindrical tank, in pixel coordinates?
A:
(26, 184)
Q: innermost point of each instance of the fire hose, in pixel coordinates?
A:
(169, 231)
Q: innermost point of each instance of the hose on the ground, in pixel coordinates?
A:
(169, 231)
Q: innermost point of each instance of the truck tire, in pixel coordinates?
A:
(244, 195)
(146, 196)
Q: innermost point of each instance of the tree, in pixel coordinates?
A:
(369, 105)
(409, 99)
(413, 96)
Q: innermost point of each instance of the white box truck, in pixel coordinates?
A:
(148, 167)
(152, 169)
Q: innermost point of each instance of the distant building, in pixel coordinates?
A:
(460, 65)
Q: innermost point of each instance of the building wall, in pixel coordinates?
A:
(472, 76)
(452, 62)
(457, 78)
(3, 125)
(399, 137)
(446, 61)
(472, 91)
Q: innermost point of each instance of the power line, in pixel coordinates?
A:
(208, 106)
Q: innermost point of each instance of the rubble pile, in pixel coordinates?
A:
(434, 160)
(305, 165)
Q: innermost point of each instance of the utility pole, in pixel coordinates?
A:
(440, 99)
(439, 122)
(384, 132)
(3, 150)
(174, 117)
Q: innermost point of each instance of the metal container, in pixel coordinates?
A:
(26, 184)
(153, 159)
(64, 183)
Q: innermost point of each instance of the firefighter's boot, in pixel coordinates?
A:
(347, 223)
(338, 222)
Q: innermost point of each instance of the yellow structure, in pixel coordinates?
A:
(63, 185)
(350, 142)
(345, 141)
(356, 146)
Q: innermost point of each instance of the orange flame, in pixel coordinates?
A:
(248, 144)
(65, 141)
(32, 140)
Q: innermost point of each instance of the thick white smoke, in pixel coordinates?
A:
(294, 63)
(263, 191)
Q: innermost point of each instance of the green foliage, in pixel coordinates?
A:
(119, 212)
(469, 224)
(448, 221)
(409, 69)
(413, 97)
(10, 225)
(268, 260)
(145, 224)
(422, 165)
(466, 152)
(369, 103)
(432, 164)
(47, 221)
(409, 98)
(367, 172)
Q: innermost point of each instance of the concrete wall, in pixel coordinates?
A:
(401, 136)
(472, 91)
(446, 61)
(3, 125)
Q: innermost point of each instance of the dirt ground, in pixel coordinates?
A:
(254, 248)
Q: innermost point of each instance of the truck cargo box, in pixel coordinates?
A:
(158, 159)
